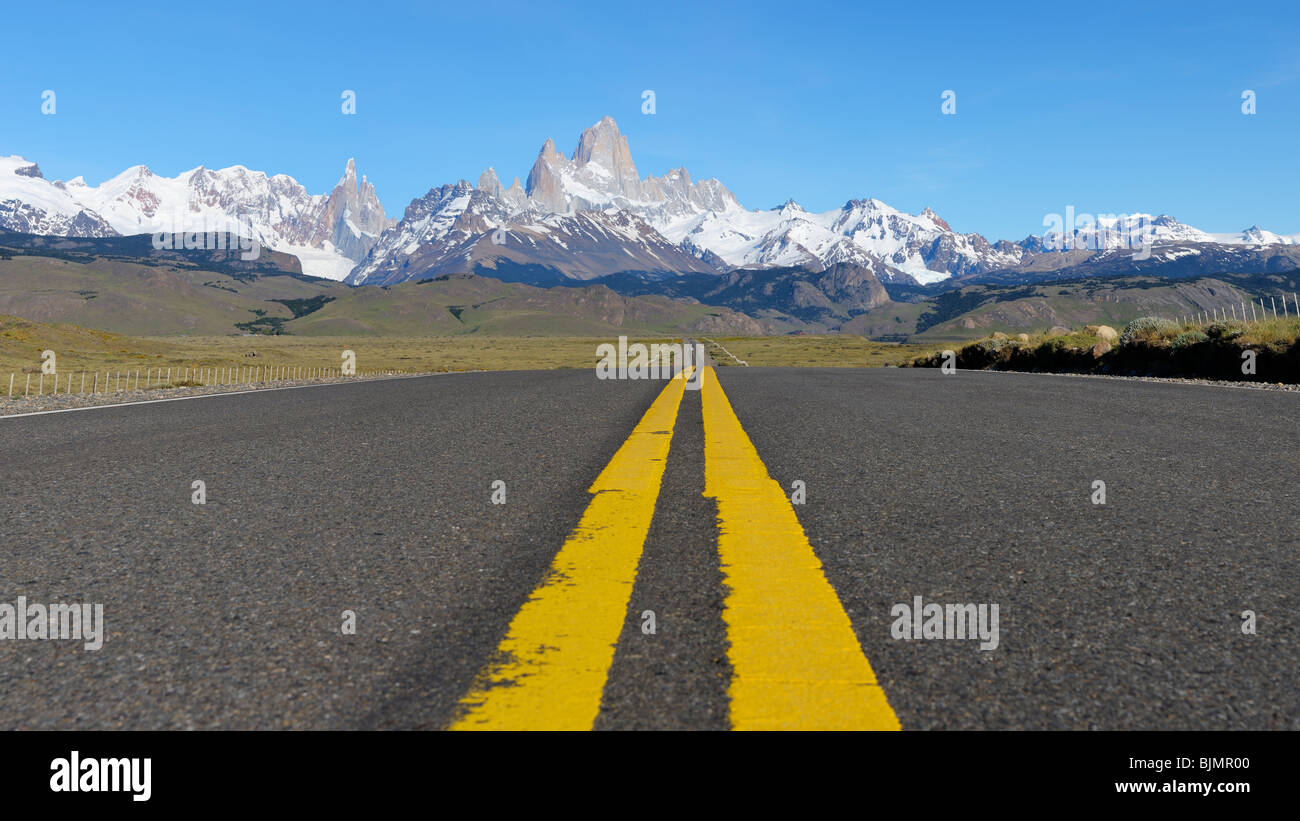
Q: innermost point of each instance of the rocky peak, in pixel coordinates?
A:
(546, 181)
(489, 184)
(604, 147)
(935, 218)
(351, 217)
(601, 174)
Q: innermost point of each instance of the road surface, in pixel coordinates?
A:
(648, 568)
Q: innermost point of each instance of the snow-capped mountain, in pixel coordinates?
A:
(1255, 235)
(600, 174)
(1101, 233)
(33, 205)
(328, 233)
(922, 247)
(461, 228)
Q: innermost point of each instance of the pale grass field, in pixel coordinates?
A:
(831, 351)
(79, 350)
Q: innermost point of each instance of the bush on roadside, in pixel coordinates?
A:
(1225, 330)
(1188, 338)
(1149, 329)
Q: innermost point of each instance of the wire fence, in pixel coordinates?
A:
(118, 381)
(1261, 310)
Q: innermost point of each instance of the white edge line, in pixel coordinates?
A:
(216, 395)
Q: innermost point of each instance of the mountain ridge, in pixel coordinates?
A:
(329, 233)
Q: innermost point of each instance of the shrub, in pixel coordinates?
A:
(1188, 338)
(1146, 329)
(1226, 330)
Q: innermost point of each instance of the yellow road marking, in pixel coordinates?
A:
(550, 670)
(795, 659)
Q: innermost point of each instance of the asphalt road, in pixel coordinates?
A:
(375, 498)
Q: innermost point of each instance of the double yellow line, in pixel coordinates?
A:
(795, 659)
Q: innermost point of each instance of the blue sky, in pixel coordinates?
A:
(1105, 108)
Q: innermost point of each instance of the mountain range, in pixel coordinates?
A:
(590, 215)
(329, 233)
